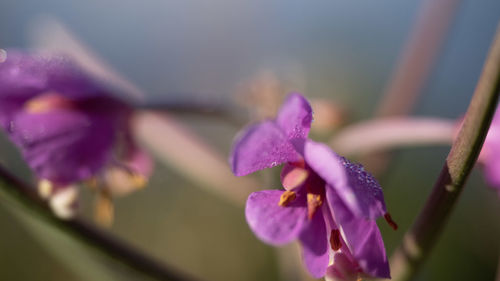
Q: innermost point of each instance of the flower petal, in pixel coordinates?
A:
(261, 146)
(356, 187)
(64, 146)
(295, 117)
(25, 75)
(315, 246)
(274, 224)
(362, 237)
(342, 269)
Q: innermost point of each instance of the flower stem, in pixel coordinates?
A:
(418, 57)
(216, 111)
(21, 193)
(388, 133)
(419, 240)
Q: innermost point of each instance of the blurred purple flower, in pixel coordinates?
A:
(490, 153)
(68, 128)
(329, 204)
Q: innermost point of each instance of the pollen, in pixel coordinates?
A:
(389, 220)
(314, 201)
(286, 198)
(335, 240)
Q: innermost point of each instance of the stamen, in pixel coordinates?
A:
(335, 240)
(389, 220)
(104, 209)
(45, 188)
(286, 198)
(314, 201)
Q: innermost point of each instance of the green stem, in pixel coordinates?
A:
(14, 189)
(420, 239)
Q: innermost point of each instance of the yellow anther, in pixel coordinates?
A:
(45, 188)
(286, 198)
(104, 209)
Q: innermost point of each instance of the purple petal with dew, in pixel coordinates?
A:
(357, 188)
(261, 146)
(26, 75)
(23, 76)
(64, 146)
(315, 246)
(362, 237)
(274, 224)
(295, 117)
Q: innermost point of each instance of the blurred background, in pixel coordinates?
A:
(243, 56)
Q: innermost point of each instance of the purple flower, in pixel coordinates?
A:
(69, 129)
(329, 204)
(490, 153)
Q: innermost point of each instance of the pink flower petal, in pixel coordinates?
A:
(295, 117)
(274, 224)
(261, 146)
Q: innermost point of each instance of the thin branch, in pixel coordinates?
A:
(216, 111)
(23, 194)
(390, 133)
(413, 67)
(420, 239)
(418, 57)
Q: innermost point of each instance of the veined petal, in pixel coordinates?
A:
(315, 246)
(360, 192)
(261, 146)
(274, 224)
(362, 237)
(63, 146)
(295, 117)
